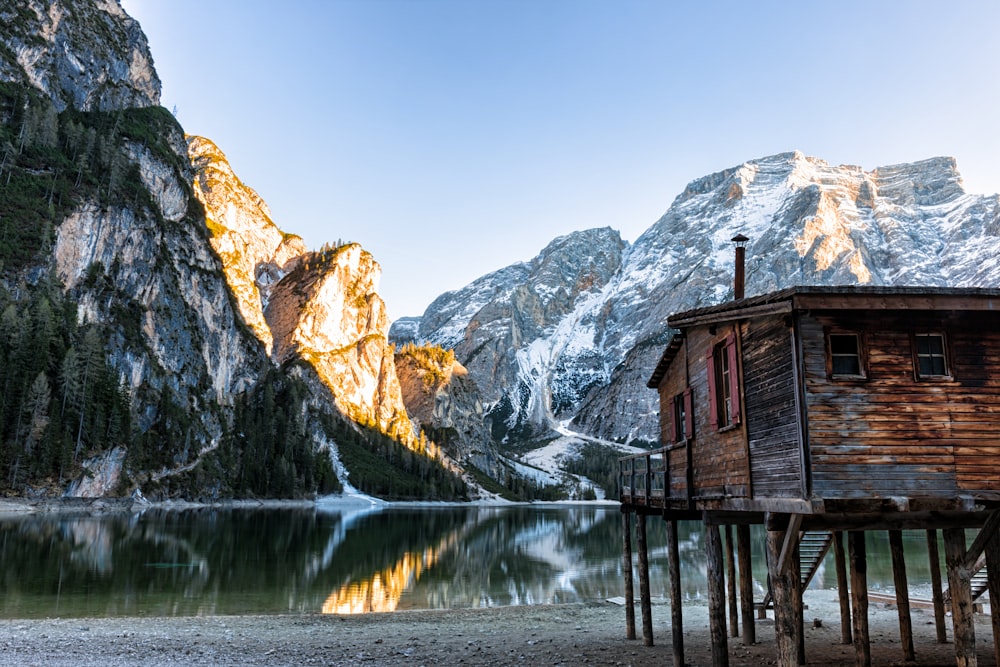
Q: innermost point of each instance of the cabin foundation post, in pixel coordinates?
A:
(734, 620)
(937, 595)
(859, 597)
(993, 579)
(644, 600)
(627, 567)
(843, 587)
(716, 595)
(902, 594)
(960, 584)
(746, 584)
(797, 605)
(783, 588)
(676, 617)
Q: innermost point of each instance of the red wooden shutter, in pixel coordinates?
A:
(713, 410)
(671, 427)
(688, 414)
(734, 382)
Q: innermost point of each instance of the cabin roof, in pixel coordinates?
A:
(852, 297)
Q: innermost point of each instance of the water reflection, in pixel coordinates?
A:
(346, 560)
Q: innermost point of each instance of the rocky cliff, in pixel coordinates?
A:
(809, 223)
(87, 55)
(161, 331)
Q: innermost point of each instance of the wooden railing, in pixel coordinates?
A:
(642, 478)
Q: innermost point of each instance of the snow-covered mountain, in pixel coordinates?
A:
(574, 333)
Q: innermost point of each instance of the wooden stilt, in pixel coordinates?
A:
(936, 591)
(627, 567)
(959, 583)
(746, 584)
(797, 606)
(782, 590)
(843, 587)
(676, 618)
(859, 597)
(993, 579)
(716, 596)
(902, 594)
(644, 601)
(734, 619)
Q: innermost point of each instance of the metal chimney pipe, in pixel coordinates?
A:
(739, 279)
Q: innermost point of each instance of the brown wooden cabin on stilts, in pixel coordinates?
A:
(824, 412)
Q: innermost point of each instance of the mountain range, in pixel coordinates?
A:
(162, 336)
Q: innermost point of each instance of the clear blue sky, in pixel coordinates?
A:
(454, 137)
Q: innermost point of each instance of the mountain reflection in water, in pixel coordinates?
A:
(338, 559)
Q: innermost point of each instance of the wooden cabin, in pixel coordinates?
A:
(829, 409)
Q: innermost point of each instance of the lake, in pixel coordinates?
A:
(351, 559)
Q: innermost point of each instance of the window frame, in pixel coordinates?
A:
(681, 417)
(945, 356)
(861, 354)
(722, 362)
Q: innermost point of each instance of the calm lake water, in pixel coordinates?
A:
(333, 559)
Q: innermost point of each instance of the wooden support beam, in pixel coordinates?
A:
(859, 597)
(734, 617)
(959, 582)
(843, 587)
(716, 597)
(746, 584)
(676, 600)
(902, 594)
(993, 579)
(627, 567)
(798, 609)
(937, 594)
(644, 600)
(791, 541)
(782, 590)
(978, 544)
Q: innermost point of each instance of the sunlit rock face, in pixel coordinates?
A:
(255, 253)
(327, 311)
(441, 398)
(110, 69)
(810, 223)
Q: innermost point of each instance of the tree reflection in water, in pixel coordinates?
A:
(343, 559)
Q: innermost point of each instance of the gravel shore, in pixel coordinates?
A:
(578, 634)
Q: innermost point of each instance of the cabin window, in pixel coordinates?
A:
(723, 384)
(931, 358)
(682, 417)
(845, 355)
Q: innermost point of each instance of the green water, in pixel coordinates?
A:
(348, 560)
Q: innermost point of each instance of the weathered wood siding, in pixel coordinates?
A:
(674, 383)
(718, 458)
(893, 435)
(772, 425)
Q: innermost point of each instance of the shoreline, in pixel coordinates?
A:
(571, 634)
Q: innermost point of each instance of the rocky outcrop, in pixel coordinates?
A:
(809, 223)
(443, 401)
(327, 312)
(255, 253)
(110, 69)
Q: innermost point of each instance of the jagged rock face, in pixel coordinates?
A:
(255, 253)
(809, 223)
(524, 332)
(327, 311)
(441, 398)
(167, 275)
(111, 69)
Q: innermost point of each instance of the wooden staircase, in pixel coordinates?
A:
(813, 547)
(980, 583)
